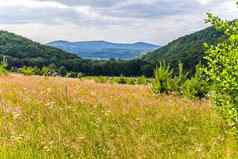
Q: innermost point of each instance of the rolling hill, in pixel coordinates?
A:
(21, 51)
(104, 50)
(187, 49)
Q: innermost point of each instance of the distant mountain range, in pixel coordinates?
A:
(104, 50)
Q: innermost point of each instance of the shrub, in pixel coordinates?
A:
(163, 78)
(62, 71)
(73, 75)
(180, 79)
(36, 71)
(80, 75)
(142, 80)
(3, 70)
(101, 79)
(196, 87)
(122, 80)
(27, 70)
(131, 81)
(47, 71)
(222, 70)
(3, 66)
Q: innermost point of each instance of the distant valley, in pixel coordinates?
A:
(188, 49)
(103, 50)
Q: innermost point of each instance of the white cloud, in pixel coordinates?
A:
(205, 1)
(31, 4)
(156, 21)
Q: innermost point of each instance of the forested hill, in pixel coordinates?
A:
(21, 51)
(188, 49)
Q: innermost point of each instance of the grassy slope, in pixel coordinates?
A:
(67, 118)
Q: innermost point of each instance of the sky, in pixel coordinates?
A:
(155, 21)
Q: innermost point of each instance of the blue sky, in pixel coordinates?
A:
(156, 21)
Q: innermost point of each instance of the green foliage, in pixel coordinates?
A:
(3, 67)
(47, 71)
(73, 75)
(142, 80)
(187, 50)
(24, 52)
(80, 75)
(163, 75)
(3, 70)
(121, 80)
(222, 70)
(28, 71)
(196, 87)
(101, 79)
(180, 79)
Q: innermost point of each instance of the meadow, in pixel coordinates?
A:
(55, 117)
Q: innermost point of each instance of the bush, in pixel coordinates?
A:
(164, 82)
(47, 71)
(3, 70)
(163, 79)
(101, 79)
(74, 75)
(3, 66)
(27, 70)
(122, 80)
(142, 80)
(222, 70)
(131, 81)
(180, 80)
(80, 75)
(196, 87)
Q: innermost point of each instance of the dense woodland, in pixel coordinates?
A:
(188, 50)
(21, 52)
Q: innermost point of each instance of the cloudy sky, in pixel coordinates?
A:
(156, 21)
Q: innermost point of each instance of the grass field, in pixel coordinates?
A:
(67, 118)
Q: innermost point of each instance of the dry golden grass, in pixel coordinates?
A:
(45, 117)
(90, 92)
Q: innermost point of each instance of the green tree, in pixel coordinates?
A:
(163, 76)
(222, 70)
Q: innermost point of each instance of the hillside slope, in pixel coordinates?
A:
(188, 49)
(104, 50)
(22, 51)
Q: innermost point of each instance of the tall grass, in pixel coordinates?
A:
(63, 118)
